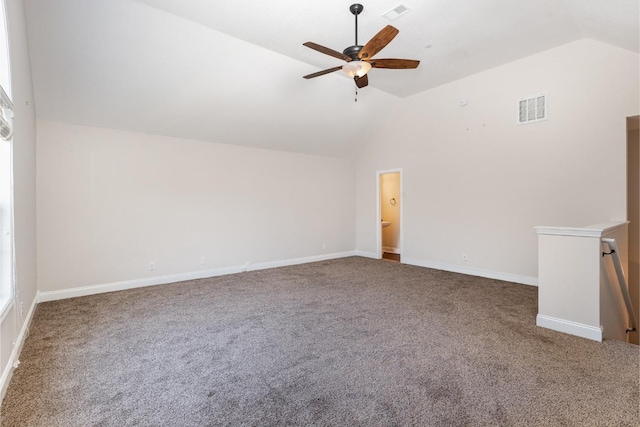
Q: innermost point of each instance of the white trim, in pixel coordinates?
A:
(596, 230)
(364, 254)
(569, 327)
(17, 348)
(161, 280)
(379, 213)
(391, 250)
(6, 308)
(568, 231)
(498, 275)
(136, 283)
(295, 261)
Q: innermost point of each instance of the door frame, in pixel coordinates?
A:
(379, 212)
(632, 215)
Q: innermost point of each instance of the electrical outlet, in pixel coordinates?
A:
(203, 260)
(152, 265)
(465, 257)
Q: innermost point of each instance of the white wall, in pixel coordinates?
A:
(111, 201)
(475, 182)
(24, 171)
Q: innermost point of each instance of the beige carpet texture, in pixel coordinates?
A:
(347, 342)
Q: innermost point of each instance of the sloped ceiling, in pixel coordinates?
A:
(453, 39)
(231, 72)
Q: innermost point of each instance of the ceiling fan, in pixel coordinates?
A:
(360, 58)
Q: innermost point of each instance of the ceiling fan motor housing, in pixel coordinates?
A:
(352, 52)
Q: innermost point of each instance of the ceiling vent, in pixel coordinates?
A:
(532, 109)
(397, 12)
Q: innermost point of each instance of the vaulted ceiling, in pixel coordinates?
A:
(453, 39)
(231, 72)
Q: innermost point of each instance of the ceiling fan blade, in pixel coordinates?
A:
(378, 42)
(322, 73)
(361, 81)
(395, 63)
(327, 51)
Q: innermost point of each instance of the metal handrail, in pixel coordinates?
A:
(615, 256)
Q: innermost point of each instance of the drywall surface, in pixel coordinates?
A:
(570, 279)
(475, 182)
(122, 64)
(110, 202)
(24, 185)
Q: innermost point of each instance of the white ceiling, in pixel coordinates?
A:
(231, 72)
(466, 36)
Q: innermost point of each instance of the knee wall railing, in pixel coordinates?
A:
(615, 256)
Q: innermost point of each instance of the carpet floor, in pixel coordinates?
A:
(348, 342)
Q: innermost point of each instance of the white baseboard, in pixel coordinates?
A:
(295, 261)
(161, 280)
(136, 283)
(498, 275)
(7, 373)
(367, 254)
(390, 250)
(569, 327)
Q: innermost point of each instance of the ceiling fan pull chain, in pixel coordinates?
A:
(356, 94)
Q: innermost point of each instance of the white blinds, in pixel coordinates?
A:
(6, 116)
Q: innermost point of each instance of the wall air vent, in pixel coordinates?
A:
(532, 109)
(397, 12)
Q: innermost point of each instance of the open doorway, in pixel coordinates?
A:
(390, 215)
(633, 215)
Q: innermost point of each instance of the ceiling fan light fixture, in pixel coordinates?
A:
(356, 68)
(360, 58)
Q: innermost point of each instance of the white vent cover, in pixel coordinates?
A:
(532, 109)
(397, 12)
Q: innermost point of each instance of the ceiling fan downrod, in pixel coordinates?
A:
(353, 51)
(356, 9)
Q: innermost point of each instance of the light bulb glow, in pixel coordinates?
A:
(356, 68)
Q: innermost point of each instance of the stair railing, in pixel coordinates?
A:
(615, 256)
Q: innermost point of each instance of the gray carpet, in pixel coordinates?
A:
(349, 342)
